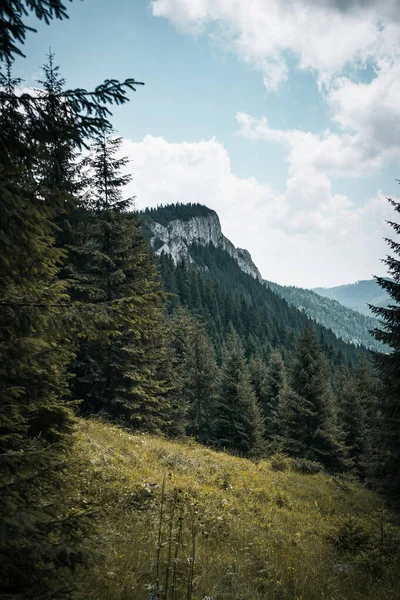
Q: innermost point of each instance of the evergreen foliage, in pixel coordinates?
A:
(238, 422)
(272, 395)
(37, 542)
(42, 531)
(13, 16)
(352, 417)
(347, 324)
(217, 290)
(82, 320)
(313, 408)
(389, 369)
(172, 212)
(118, 370)
(195, 372)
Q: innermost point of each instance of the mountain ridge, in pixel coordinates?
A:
(197, 241)
(348, 324)
(175, 236)
(356, 295)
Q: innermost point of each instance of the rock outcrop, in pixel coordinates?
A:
(176, 237)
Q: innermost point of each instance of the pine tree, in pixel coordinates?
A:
(204, 387)
(389, 369)
(319, 434)
(295, 413)
(110, 269)
(13, 27)
(40, 532)
(272, 385)
(37, 533)
(180, 329)
(238, 422)
(195, 373)
(352, 418)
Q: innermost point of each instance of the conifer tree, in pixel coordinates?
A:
(272, 396)
(368, 390)
(352, 418)
(14, 13)
(238, 423)
(180, 329)
(204, 387)
(296, 412)
(110, 268)
(389, 369)
(196, 373)
(37, 541)
(40, 535)
(316, 413)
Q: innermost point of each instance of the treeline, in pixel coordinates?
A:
(350, 325)
(170, 212)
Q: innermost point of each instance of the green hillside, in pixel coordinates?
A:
(227, 528)
(357, 295)
(215, 288)
(347, 324)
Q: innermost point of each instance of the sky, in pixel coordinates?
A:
(281, 115)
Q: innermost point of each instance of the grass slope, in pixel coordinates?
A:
(230, 528)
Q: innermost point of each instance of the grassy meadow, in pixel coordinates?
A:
(177, 521)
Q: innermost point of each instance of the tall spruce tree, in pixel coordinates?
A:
(204, 387)
(276, 387)
(15, 13)
(388, 467)
(316, 414)
(352, 418)
(118, 372)
(195, 373)
(238, 418)
(38, 534)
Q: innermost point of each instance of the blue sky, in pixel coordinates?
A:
(288, 131)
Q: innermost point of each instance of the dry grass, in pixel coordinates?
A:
(255, 533)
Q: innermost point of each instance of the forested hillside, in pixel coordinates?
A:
(357, 295)
(212, 284)
(347, 324)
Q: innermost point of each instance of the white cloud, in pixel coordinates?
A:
(308, 205)
(328, 38)
(318, 239)
(372, 110)
(325, 36)
(195, 172)
(306, 235)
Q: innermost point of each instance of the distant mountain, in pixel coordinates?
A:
(175, 229)
(347, 324)
(222, 286)
(357, 295)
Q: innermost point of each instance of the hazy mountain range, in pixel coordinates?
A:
(348, 324)
(357, 295)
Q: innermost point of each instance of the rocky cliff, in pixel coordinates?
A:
(176, 237)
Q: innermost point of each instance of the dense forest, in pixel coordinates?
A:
(94, 325)
(170, 212)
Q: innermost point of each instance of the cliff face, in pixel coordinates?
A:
(176, 237)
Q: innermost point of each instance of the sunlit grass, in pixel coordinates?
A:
(255, 533)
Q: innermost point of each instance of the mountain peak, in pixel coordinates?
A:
(175, 228)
